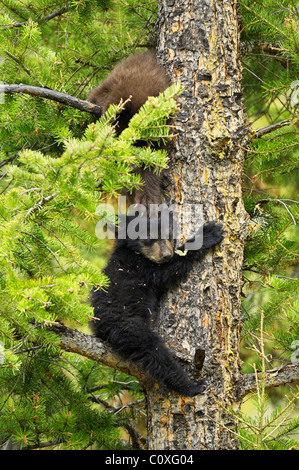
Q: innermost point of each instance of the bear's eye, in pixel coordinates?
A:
(148, 242)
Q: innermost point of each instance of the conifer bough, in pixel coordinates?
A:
(48, 93)
(81, 343)
(82, 105)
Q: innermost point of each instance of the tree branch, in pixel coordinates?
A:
(53, 95)
(8, 160)
(259, 46)
(89, 346)
(273, 378)
(266, 49)
(41, 21)
(266, 130)
(39, 204)
(138, 441)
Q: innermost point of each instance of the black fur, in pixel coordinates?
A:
(124, 312)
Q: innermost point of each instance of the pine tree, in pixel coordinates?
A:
(270, 59)
(57, 165)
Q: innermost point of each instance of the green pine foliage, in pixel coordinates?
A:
(57, 166)
(52, 409)
(270, 35)
(47, 204)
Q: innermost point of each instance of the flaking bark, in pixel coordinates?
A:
(199, 45)
(48, 93)
(89, 346)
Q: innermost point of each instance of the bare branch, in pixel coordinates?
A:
(265, 50)
(89, 346)
(272, 48)
(39, 204)
(273, 378)
(8, 160)
(282, 201)
(53, 95)
(13, 57)
(54, 14)
(138, 441)
(266, 130)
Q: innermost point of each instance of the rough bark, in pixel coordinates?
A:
(53, 95)
(286, 374)
(89, 346)
(199, 45)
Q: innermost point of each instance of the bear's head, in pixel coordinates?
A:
(151, 237)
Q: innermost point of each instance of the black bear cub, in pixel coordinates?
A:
(141, 270)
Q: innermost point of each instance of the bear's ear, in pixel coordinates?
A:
(137, 210)
(134, 227)
(124, 221)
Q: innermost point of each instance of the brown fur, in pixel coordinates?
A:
(160, 252)
(150, 192)
(138, 77)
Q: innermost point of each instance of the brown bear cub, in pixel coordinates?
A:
(134, 79)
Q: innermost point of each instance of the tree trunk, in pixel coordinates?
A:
(199, 45)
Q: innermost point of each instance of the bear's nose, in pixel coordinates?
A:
(167, 255)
